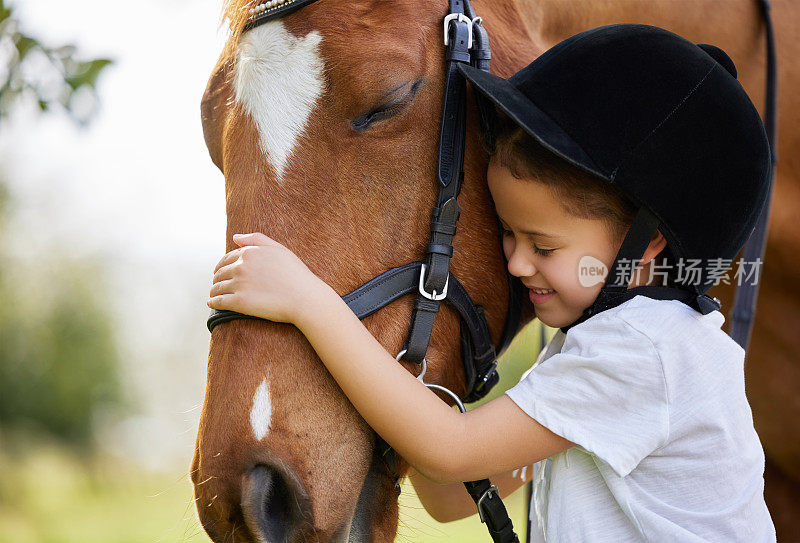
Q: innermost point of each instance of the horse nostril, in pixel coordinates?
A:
(274, 503)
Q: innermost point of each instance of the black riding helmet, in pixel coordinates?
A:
(667, 123)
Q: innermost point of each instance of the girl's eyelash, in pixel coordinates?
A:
(537, 250)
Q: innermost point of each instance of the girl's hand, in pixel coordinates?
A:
(264, 279)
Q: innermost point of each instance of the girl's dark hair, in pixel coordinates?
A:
(580, 193)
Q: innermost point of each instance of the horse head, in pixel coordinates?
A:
(325, 124)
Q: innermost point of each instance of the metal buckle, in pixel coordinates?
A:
(435, 296)
(486, 493)
(487, 375)
(461, 19)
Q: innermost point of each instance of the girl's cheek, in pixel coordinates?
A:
(562, 275)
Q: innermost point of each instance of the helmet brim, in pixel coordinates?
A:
(514, 104)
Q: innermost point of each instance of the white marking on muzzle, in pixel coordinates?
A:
(279, 78)
(261, 413)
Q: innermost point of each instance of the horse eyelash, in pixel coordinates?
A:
(384, 111)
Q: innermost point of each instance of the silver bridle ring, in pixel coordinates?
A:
(432, 386)
(424, 365)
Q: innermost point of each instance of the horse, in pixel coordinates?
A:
(325, 125)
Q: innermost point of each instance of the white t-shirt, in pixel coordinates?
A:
(652, 394)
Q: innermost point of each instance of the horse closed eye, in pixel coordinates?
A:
(394, 103)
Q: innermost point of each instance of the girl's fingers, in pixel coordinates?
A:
(222, 287)
(225, 272)
(253, 238)
(220, 302)
(227, 259)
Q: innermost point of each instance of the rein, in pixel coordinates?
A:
(744, 304)
(466, 42)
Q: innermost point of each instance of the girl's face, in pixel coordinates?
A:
(549, 249)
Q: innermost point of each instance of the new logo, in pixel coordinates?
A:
(591, 271)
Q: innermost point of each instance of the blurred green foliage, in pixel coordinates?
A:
(30, 70)
(58, 359)
(58, 364)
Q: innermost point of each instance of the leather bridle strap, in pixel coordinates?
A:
(467, 43)
(744, 305)
(491, 510)
(450, 176)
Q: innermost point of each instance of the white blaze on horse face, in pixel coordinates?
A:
(261, 413)
(279, 78)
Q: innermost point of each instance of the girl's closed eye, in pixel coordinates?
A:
(536, 249)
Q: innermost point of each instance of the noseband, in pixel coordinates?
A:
(466, 41)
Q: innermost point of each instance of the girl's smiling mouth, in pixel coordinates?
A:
(539, 296)
(542, 290)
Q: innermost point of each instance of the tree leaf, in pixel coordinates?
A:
(5, 12)
(87, 73)
(24, 45)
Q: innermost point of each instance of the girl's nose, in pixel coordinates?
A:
(519, 264)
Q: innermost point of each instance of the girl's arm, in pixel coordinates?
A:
(446, 503)
(265, 279)
(442, 444)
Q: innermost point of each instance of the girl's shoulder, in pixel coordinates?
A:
(664, 318)
(671, 328)
(690, 346)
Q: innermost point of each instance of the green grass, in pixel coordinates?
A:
(52, 495)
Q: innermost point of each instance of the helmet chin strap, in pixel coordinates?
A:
(615, 291)
(641, 231)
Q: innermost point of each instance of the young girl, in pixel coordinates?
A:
(618, 145)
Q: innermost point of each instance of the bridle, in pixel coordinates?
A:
(466, 41)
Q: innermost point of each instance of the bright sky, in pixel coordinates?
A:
(137, 189)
